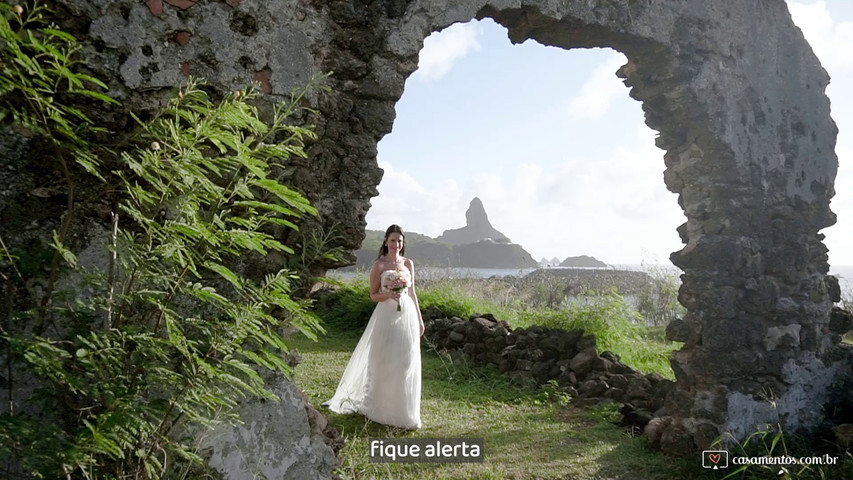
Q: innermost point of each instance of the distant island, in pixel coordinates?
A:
(583, 261)
(476, 245)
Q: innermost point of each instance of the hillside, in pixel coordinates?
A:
(476, 245)
(427, 251)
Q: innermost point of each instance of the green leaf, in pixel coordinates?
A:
(266, 206)
(287, 195)
(225, 273)
(98, 96)
(67, 255)
(184, 229)
(60, 34)
(89, 163)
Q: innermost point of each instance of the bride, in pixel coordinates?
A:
(382, 380)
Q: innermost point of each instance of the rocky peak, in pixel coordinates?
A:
(476, 217)
(477, 227)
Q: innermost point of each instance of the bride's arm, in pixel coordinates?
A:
(376, 284)
(411, 266)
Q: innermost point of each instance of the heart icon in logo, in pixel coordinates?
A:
(715, 459)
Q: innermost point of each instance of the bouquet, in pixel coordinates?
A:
(397, 283)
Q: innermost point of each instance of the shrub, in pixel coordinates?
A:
(346, 307)
(448, 300)
(616, 327)
(657, 300)
(606, 316)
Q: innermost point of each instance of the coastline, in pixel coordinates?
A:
(844, 273)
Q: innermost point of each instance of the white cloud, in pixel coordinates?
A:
(832, 41)
(614, 206)
(442, 49)
(404, 201)
(600, 91)
(838, 235)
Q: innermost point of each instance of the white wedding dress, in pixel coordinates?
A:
(382, 380)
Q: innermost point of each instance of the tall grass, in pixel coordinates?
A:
(464, 297)
(617, 327)
(657, 299)
(346, 305)
(522, 302)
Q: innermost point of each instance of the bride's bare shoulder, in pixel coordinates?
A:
(379, 265)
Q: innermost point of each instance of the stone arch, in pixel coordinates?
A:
(738, 100)
(733, 88)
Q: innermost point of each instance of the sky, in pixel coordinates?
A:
(555, 148)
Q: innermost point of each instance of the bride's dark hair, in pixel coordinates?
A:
(383, 250)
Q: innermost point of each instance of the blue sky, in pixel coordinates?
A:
(555, 148)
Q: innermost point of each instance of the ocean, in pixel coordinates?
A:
(844, 273)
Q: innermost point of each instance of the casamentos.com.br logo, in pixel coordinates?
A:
(719, 459)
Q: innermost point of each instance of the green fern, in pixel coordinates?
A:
(40, 80)
(173, 335)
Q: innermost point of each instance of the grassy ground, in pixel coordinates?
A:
(526, 437)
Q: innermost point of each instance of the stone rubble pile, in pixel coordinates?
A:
(536, 355)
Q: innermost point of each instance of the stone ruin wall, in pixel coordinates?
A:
(733, 88)
(569, 360)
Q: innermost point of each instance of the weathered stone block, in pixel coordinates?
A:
(583, 362)
(275, 440)
(840, 321)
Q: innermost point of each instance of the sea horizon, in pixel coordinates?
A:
(844, 273)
